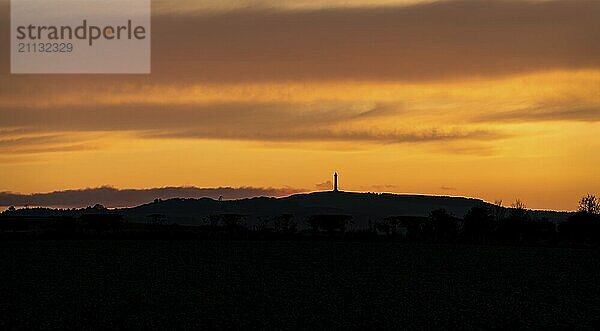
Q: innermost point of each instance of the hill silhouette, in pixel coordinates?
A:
(363, 207)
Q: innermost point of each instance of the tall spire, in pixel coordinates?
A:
(335, 182)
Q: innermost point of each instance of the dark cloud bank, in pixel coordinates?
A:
(112, 197)
(422, 42)
(448, 39)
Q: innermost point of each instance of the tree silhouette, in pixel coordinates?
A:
(589, 204)
(282, 224)
(519, 204)
(329, 223)
(511, 228)
(157, 218)
(285, 224)
(498, 210)
(518, 211)
(479, 223)
(443, 226)
(389, 225)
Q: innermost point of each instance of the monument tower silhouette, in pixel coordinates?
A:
(335, 182)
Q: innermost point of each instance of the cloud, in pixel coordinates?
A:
(328, 185)
(223, 117)
(112, 197)
(447, 188)
(245, 122)
(41, 143)
(180, 6)
(384, 188)
(328, 135)
(546, 112)
(442, 40)
(427, 41)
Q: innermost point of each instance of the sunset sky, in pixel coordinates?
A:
(490, 99)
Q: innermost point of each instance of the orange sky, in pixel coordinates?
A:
(498, 102)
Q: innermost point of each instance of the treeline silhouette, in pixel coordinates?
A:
(482, 224)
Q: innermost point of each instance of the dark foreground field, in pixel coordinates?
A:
(280, 285)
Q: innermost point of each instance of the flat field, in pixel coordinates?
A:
(284, 285)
